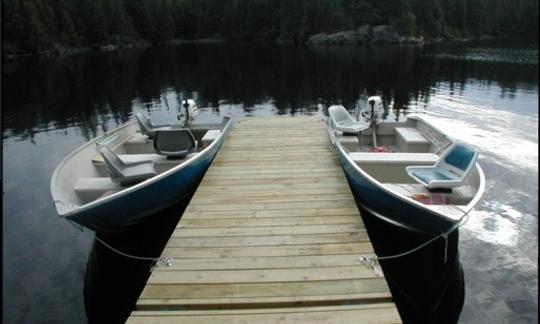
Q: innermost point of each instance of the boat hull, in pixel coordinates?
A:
(428, 284)
(123, 209)
(425, 287)
(127, 210)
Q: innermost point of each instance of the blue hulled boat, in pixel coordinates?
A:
(134, 171)
(414, 186)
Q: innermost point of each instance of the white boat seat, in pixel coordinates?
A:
(89, 189)
(450, 171)
(146, 126)
(126, 173)
(394, 158)
(342, 120)
(174, 143)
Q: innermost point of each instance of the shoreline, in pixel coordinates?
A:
(59, 51)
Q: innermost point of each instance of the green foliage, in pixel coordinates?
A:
(292, 26)
(35, 25)
(93, 25)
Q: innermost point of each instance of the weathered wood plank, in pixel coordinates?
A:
(258, 191)
(280, 250)
(306, 212)
(219, 311)
(267, 221)
(270, 206)
(266, 230)
(257, 262)
(282, 240)
(271, 289)
(262, 302)
(276, 171)
(256, 199)
(260, 275)
(370, 316)
(328, 181)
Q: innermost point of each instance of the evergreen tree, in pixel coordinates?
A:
(36, 25)
(293, 24)
(63, 12)
(93, 25)
(429, 17)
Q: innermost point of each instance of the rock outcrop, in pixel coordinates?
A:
(364, 35)
(384, 34)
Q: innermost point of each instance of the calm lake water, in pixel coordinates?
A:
(485, 94)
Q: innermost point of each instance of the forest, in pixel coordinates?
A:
(34, 26)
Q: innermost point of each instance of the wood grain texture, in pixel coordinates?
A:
(272, 234)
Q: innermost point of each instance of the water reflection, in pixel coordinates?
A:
(113, 282)
(85, 91)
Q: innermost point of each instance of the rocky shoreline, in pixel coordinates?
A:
(57, 50)
(363, 36)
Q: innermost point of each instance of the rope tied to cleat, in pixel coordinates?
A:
(164, 261)
(371, 260)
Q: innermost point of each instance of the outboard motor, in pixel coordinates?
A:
(191, 111)
(375, 109)
(374, 114)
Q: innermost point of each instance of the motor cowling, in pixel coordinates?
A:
(374, 110)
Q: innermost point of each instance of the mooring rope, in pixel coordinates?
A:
(371, 260)
(166, 261)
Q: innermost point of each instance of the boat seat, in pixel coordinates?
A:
(342, 121)
(137, 140)
(210, 136)
(146, 126)
(159, 160)
(174, 143)
(451, 169)
(344, 139)
(126, 173)
(411, 140)
(138, 144)
(89, 189)
(394, 158)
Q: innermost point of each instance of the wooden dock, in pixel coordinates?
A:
(272, 234)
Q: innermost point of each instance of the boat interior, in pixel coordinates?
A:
(394, 153)
(128, 156)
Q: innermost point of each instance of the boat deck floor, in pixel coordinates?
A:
(272, 234)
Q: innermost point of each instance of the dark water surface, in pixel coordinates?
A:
(486, 94)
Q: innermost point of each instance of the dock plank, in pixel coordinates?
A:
(358, 314)
(267, 221)
(244, 241)
(272, 234)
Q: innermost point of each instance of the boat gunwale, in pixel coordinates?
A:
(467, 209)
(226, 126)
